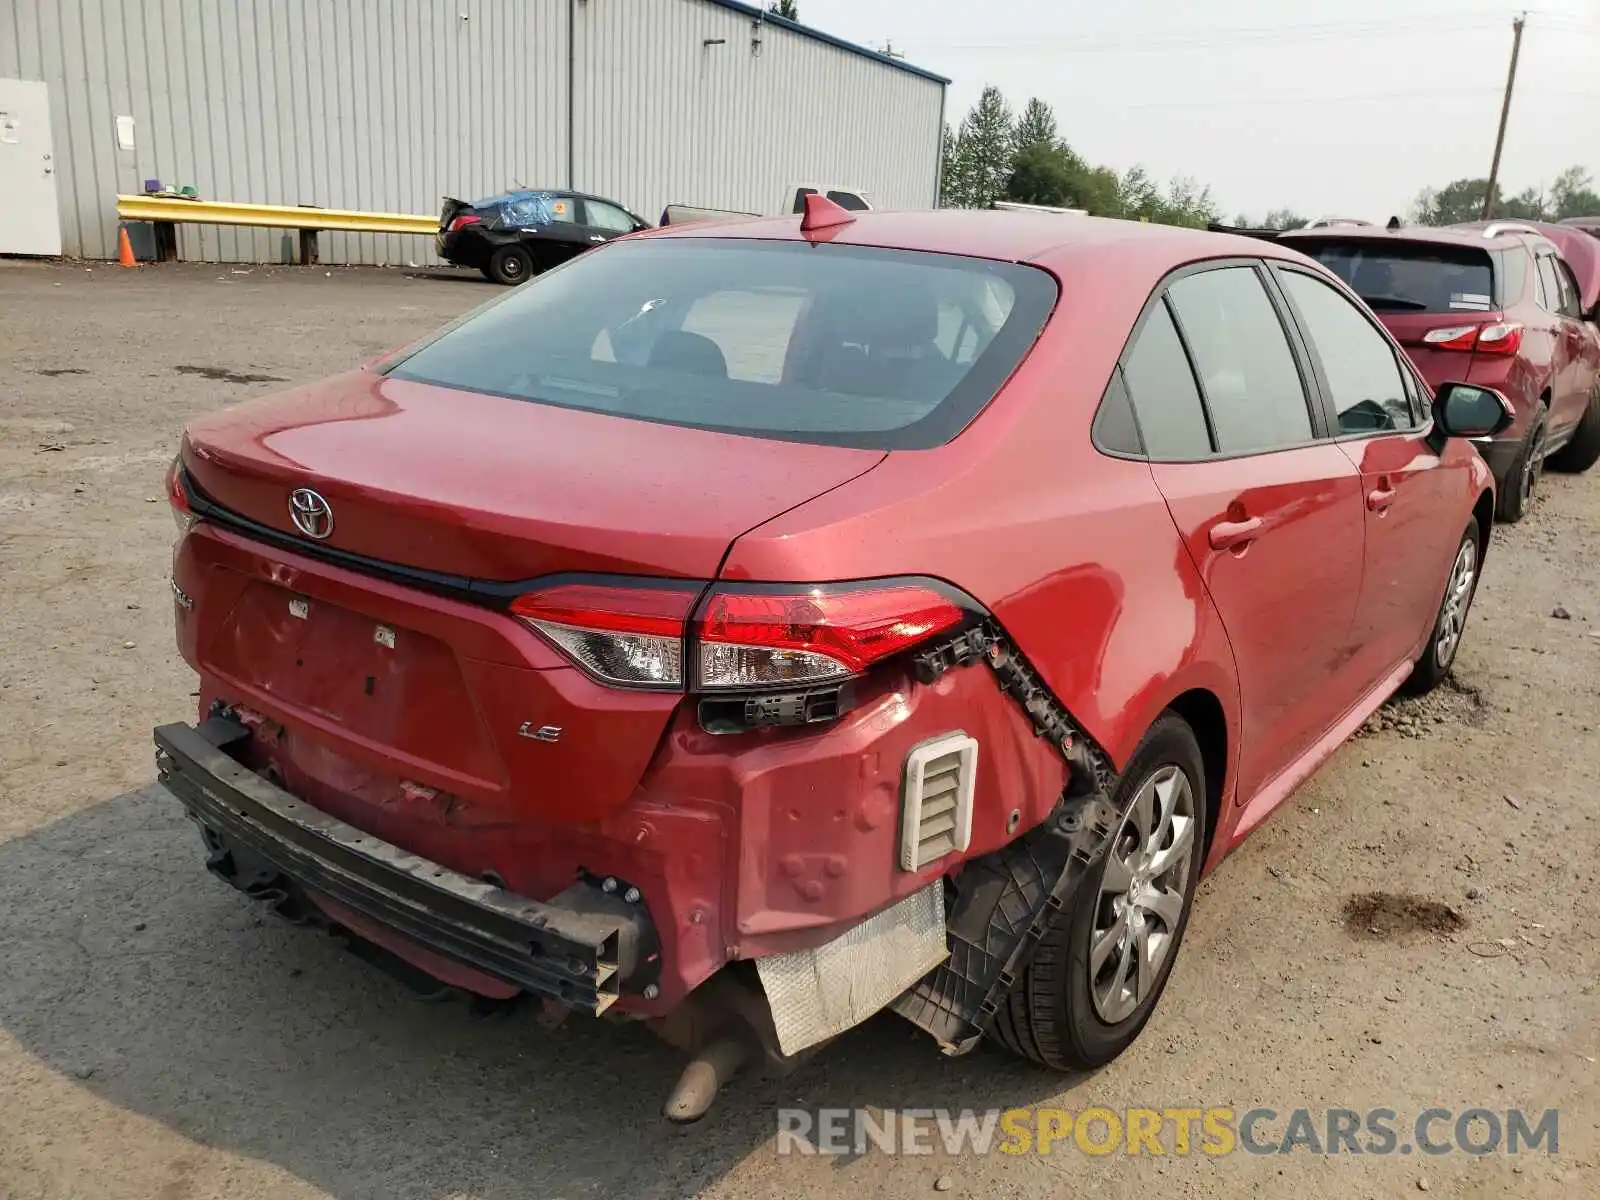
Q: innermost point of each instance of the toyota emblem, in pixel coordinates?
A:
(311, 514)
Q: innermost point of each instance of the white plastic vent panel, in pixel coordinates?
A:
(936, 805)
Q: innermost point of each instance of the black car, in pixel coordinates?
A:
(515, 235)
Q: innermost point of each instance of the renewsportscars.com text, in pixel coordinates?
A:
(1168, 1131)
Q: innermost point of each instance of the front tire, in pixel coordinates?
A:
(1583, 451)
(1522, 480)
(1103, 963)
(1444, 639)
(510, 265)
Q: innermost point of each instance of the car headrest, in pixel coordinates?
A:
(691, 353)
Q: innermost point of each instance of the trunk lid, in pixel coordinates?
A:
(401, 709)
(492, 488)
(1437, 366)
(451, 210)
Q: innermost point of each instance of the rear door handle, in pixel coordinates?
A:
(1227, 535)
(1379, 499)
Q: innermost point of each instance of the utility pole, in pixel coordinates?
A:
(1505, 112)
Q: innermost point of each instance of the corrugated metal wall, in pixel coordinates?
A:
(666, 112)
(390, 104)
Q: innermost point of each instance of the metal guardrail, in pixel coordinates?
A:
(270, 216)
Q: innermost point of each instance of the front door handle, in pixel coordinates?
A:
(1229, 535)
(1379, 499)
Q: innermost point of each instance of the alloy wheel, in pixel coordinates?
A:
(1143, 891)
(1457, 596)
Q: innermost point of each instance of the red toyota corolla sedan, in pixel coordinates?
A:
(748, 627)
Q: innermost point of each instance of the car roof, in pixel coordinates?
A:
(1031, 237)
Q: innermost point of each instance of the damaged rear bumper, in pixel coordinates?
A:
(579, 949)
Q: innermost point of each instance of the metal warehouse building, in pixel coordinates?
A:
(389, 105)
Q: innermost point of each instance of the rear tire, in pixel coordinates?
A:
(1449, 622)
(1522, 480)
(510, 265)
(1059, 1013)
(1583, 451)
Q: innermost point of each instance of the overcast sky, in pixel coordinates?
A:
(1344, 109)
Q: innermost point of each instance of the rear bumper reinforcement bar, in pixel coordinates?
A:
(572, 949)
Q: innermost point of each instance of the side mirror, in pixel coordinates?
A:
(1465, 410)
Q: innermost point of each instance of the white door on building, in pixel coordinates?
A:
(30, 221)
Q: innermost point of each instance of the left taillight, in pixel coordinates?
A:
(743, 637)
(183, 514)
(624, 634)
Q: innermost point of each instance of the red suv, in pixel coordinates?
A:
(1495, 304)
(744, 628)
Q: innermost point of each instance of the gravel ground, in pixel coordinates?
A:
(1416, 928)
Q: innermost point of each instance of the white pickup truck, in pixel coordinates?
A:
(851, 198)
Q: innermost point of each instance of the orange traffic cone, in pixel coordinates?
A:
(125, 248)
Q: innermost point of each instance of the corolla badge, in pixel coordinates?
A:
(311, 514)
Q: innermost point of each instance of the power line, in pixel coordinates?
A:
(1351, 98)
(1205, 39)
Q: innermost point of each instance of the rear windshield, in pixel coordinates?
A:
(839, 345)
(1400, 277)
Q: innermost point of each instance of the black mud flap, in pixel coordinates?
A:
(999, 906)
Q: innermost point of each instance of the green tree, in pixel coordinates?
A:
(952, 189)
(789, 9)
(1461, 200)
(1036, 125)
(1052, 173)
(1137, 194)
(1183, 202)
(1187, 202)
(1526, 205)
(1573, 195)
(1277, 218)
(1042, 173)
(985, 148)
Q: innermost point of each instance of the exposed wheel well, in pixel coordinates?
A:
(1203, 712)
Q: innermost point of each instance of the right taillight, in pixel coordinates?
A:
(1501, 337)
(763, 637)
(463, 221)
(745, 637)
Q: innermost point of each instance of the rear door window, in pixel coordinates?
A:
(1368, 390)
(1560, 292)
(1405, 277)
(1165, 398)
(1248, 375)
(839, 345)
(1549, 283)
